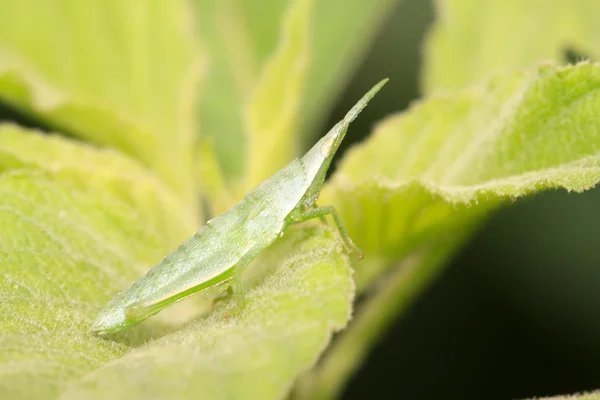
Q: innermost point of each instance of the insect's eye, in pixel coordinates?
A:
(327, 146)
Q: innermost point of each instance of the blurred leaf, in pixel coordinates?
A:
(122, 74)
(114, 176)
(341, 35)
(474, 39)
(72, 236)
(417, 188)
(231, 74)
(241, 37)
(273, 109)
(582, 396)
(216, 195)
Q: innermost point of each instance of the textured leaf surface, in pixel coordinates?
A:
(288, 321)
(245, 38)
(422, 172)
(63, 253)
(122, 74)
(415, 190)
(72, 237)
(470, 41)
(114, 176)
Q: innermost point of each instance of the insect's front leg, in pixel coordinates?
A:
(321, 212)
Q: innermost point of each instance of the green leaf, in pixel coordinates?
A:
(248, 41)
(122, 75)
(287, 323)
(422, 172)
(414, 191)
(73, 234)
(114, 176)
(238, 35)
(63, 253)
(273, 109)
(470, 41)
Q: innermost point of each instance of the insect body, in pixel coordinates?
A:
(220, 251)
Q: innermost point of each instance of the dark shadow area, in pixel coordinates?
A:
(514, 316)
(10, 114)
(572, 55)
(395, 54)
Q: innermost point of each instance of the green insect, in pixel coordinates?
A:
(218, 253)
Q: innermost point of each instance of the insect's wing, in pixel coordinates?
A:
(200, 262)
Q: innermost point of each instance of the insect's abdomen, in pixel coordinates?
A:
(207, 254)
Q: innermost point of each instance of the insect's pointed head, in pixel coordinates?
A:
(362, 103)
(331, 142)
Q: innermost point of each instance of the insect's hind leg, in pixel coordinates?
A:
(238, 285)
(321, 212)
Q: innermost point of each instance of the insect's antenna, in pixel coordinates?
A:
(362, 103)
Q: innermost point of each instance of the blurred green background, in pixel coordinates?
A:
(515, 313)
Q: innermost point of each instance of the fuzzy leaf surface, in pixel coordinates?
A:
(76, 229)
(421, 174)
(415, 190)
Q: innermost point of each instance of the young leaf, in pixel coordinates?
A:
(122, 75)
(244, 37)
(470, 41)
(273, 109)
(239, 36)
